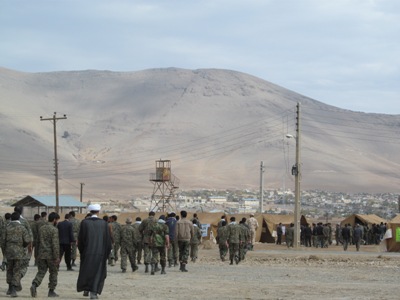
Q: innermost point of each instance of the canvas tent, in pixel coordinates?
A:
(36, 204)
(362, 220)
(393, 241)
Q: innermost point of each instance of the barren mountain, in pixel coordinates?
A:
(215, 126)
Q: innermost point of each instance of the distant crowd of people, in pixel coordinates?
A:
(321, 235)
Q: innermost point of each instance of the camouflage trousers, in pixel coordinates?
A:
(234, 251)
(194, 250)
(116, 249)
(147, 253)
(242, 250)
(74, 250)
(159, 254)
(223, 250)
(14, 271)
(183, 251)
(128, 252)
(43, 266)
(173, 252)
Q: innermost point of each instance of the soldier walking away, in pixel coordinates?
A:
(290, 236)
(116, 229)
(244, 239)
(15, 240)
(222, 240)
(279, 233)
(346, 236)
(357, 236)
(28, 249)
(139, 241)
(234, 237)
(253, 225)
(159, 242)
(130, 236)
(184, 233)
(195, 241)
(48, 255)
(144, 229)
(94, 245)
(75, 228)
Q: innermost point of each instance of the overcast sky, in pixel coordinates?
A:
(341, 52)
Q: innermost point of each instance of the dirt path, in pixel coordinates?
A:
(269, 272)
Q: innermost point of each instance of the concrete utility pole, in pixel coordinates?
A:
(261, 187)
(81, 197)
(55, 119)
(297, 204)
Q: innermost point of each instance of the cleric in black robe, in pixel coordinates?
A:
(94, 244)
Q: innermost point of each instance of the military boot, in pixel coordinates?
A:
(231, 262)
(73, 263)
(13, 292)
(169, 263)
(146, 270)
(33, 290)
(175, 263)
(52, 293)
(184, 268)
(9, 290)
(163, 270)
(156, 268)
(152, 269)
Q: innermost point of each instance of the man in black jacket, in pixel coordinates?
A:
(66, 235)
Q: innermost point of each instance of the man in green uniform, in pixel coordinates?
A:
(195, 241)
(16, 238)
(159, 241)
(144, 229)
(222, 238)
(130, 236)
(48, 255)
(75, 228)
(234, 237)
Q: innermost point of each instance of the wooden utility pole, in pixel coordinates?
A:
(54, 119)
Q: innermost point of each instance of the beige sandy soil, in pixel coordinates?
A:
(269, 272)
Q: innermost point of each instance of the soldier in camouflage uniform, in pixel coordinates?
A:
(34, 228)
(183, 233)
(245, 239)
(222, 238)
(130, 237)
(195, 241)
(116, 233)
(75, 228)
(48, 256)
(139, 242)
(28, 249)
(159, 241)
(2, 233)
(144, 229)
(16, 238)
(234, 237)
(253, 225)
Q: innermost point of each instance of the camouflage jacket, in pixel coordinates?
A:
(130, 236)
(116, 230)
(245, 236)
(15, 239)
(144, 228)
(49, 244)
(158, 232)
(196, 238)
(222, 235)
(76, 224)
(234, 233)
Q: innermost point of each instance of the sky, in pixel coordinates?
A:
(345, 53)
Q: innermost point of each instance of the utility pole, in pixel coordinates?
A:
(82, 184)
(54, 119)
(297, 173)
(261, 187)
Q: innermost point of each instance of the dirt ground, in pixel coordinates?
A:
(269, 272)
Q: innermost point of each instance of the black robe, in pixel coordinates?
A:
(94, 244)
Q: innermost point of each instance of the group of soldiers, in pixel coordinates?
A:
(21, 238)
(238, 238)
(169, 238)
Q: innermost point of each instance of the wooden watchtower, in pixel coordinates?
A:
(165, 185)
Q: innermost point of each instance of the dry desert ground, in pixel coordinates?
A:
(269, 272)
